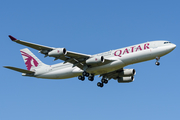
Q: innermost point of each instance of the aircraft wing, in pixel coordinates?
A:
(77, 59)
(32, 45)
(112, 75)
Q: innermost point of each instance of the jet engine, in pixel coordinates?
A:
(95, 60)
(57, 52)
(127, 72)
(125, 79)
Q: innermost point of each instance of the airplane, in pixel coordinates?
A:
(108, 65)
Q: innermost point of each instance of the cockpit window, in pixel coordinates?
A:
(166, 42)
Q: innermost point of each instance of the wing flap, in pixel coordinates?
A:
(110, 75)
(77, 56)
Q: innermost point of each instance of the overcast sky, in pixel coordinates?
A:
(90, 27)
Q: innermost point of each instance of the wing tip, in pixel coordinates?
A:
(12, 38)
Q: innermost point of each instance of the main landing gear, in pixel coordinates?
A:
(157, 59)
(103, 81)
(86, 74)
(91, 78)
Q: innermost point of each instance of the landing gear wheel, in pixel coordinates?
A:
(157, 63)
(80, 77)
(91, 78)
(157, 59)
(83, 78)
(102, 85)
(99, 84)
(104, 81)
(85, 74)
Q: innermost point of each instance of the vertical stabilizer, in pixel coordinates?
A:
(31, 61)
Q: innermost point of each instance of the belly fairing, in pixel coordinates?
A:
(106, 68)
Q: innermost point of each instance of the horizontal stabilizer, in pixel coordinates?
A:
(18, 69)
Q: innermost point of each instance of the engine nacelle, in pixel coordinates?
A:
(125, 79)
(95, 60)
(127, 72)
(57, 52)
(44, 51)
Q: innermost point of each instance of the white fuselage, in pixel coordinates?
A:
(120, 58)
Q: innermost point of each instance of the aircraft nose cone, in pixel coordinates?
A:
(170, 47)
(173, 46)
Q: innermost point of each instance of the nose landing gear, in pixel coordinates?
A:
(157, 59)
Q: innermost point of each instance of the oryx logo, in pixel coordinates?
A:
(30, 61)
